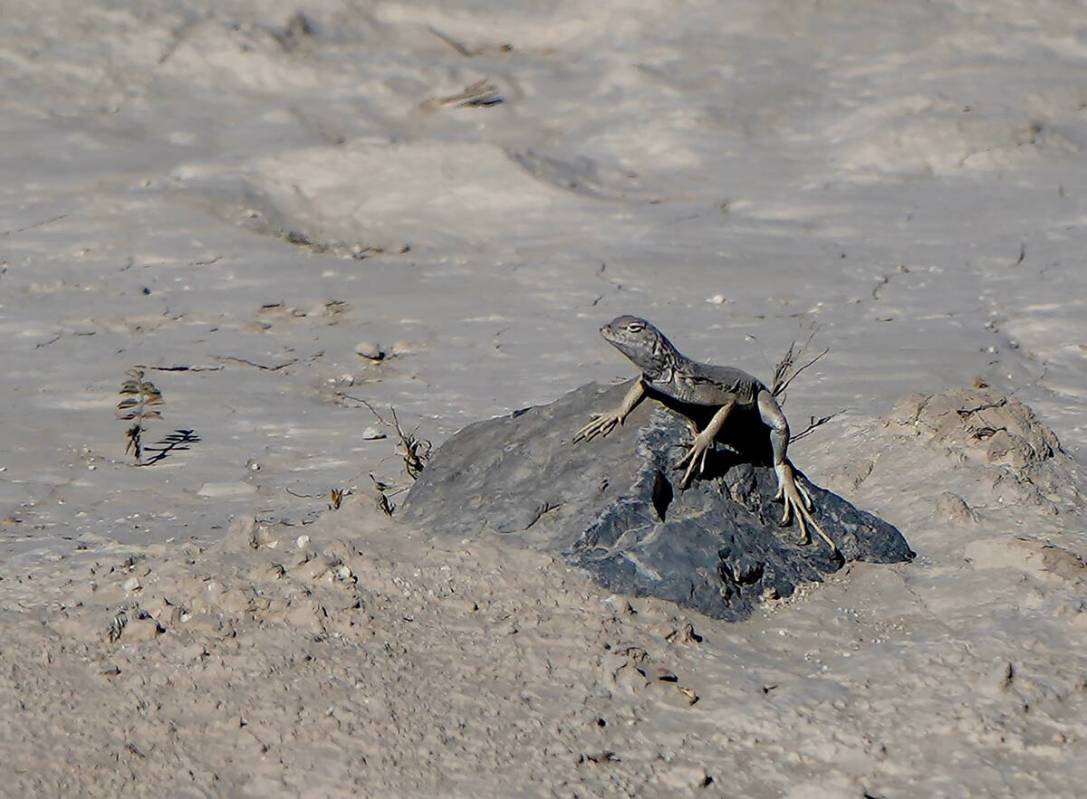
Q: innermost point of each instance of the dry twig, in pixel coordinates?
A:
(787, 370)
(383, 503)
(141, 397)
(813, 423)
(335, 498)
(413, 450)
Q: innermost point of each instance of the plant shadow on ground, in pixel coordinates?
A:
(177, 441)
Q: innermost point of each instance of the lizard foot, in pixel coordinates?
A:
(696, 456)
(798, 502)
(599, 425)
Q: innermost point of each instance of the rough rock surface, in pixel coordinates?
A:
(613, 506)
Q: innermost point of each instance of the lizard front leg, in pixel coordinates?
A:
(703, 443)
(603, 423)
(793, 495)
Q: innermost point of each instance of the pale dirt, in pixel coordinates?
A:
(236, 204)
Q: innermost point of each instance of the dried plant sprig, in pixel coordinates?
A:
(335, 498)
(414, 451)
(792, 363)
(813, 424)
(141, 399)
(787, 369)
(382, 499)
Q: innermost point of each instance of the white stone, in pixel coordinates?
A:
(369, 349)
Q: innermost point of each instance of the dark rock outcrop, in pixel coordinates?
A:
(613, 506)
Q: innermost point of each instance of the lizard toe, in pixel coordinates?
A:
(804, 496)
(600, 424)
(689, 473)
(805, 536)
(691, 455)
(787, 513)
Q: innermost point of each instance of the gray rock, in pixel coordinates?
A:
(613, 506)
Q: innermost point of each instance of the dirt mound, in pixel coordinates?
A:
(1017, 452)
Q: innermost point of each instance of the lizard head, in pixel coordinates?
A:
(643, 344)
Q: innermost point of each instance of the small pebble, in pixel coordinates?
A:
(717, 299)
(372, 434)
(132, 584)
(369, 349)
(302, 541)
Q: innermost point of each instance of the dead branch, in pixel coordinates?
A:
(461, 49)
(814, 423)
(449, 40)
(787, 369)
(414, 451)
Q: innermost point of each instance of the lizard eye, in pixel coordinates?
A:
(636, 327)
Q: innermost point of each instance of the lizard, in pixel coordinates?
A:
(681, 383)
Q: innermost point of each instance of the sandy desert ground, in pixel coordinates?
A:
(241, 196)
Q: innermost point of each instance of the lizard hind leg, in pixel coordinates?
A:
(793, 496)
(798, 501)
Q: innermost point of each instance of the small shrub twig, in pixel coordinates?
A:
(787, 369)
(414, 451)
(139, 405)
(791, 364)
